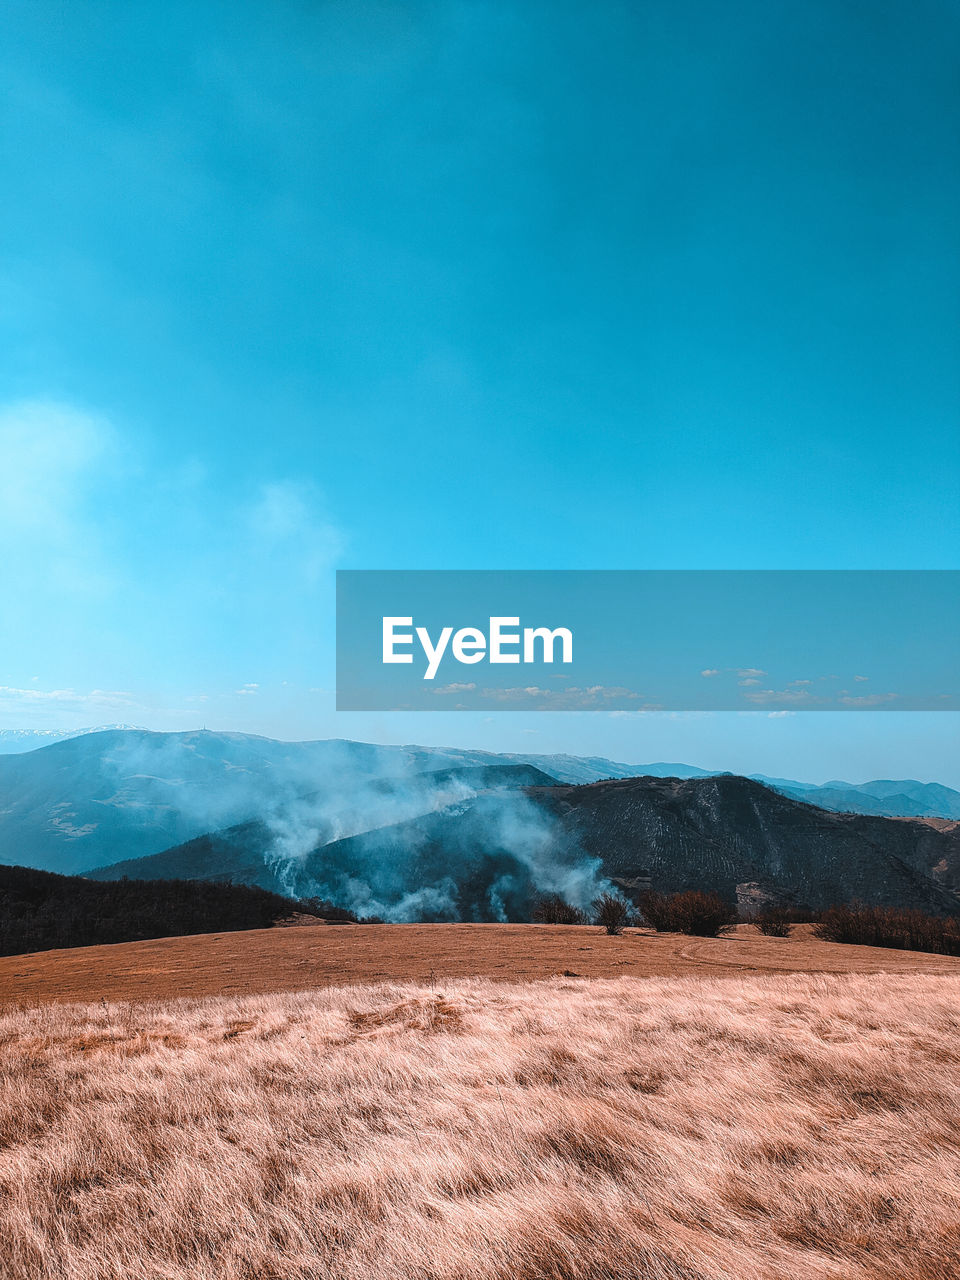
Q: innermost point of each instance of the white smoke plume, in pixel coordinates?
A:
(400, 833)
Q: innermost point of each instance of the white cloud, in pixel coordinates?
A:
(8, 694)
(56, 707)
(286, 520)
(573, 698)
(47, 452)
(866, 700)
(796, 696)
(105, 542)
(746, 675)
(52, 461)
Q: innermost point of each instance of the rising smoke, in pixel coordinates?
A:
(382, 831)
(486, 857)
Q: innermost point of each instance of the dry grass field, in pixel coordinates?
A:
(698, 1128)
(265, 960)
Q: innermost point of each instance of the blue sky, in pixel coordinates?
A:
(288, 286)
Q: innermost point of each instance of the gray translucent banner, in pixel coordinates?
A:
(635, 640)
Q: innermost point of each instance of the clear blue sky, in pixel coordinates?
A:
(287, 286)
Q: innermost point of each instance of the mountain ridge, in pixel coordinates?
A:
(120, 793)
(488, 857)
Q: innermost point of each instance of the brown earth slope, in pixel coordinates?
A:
(270, 960)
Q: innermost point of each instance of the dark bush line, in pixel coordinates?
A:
(703, 915)
(608, 911)
(907, 928)
(40, 910)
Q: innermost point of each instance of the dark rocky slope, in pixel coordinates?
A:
(723, 831)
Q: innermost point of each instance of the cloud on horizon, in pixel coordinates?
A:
(162, 576)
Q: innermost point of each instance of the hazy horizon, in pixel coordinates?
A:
(526, 746)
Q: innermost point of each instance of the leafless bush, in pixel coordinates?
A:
(552, 909)
(704, 915)
(774, 922)
(611, 913)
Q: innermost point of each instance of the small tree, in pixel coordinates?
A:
(655, 909)
(552, 909)
(774, 922)
(704, 915)
(611, 913)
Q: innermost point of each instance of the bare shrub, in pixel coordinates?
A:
(703, 915)
(903, 927)
(552, 909)
(611, 913)
(655, 910)
(773, 922)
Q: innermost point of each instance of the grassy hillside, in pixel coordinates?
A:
(40, 910)
(672, 1129)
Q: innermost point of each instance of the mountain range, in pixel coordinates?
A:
(124, 793)
(102, 796)
(490, 856)
(896, 799)
(414, 832)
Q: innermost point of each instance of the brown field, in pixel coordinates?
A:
(742, 1128)
(299, 959)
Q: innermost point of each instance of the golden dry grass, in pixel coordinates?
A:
(731, 1128)
(265, 960)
